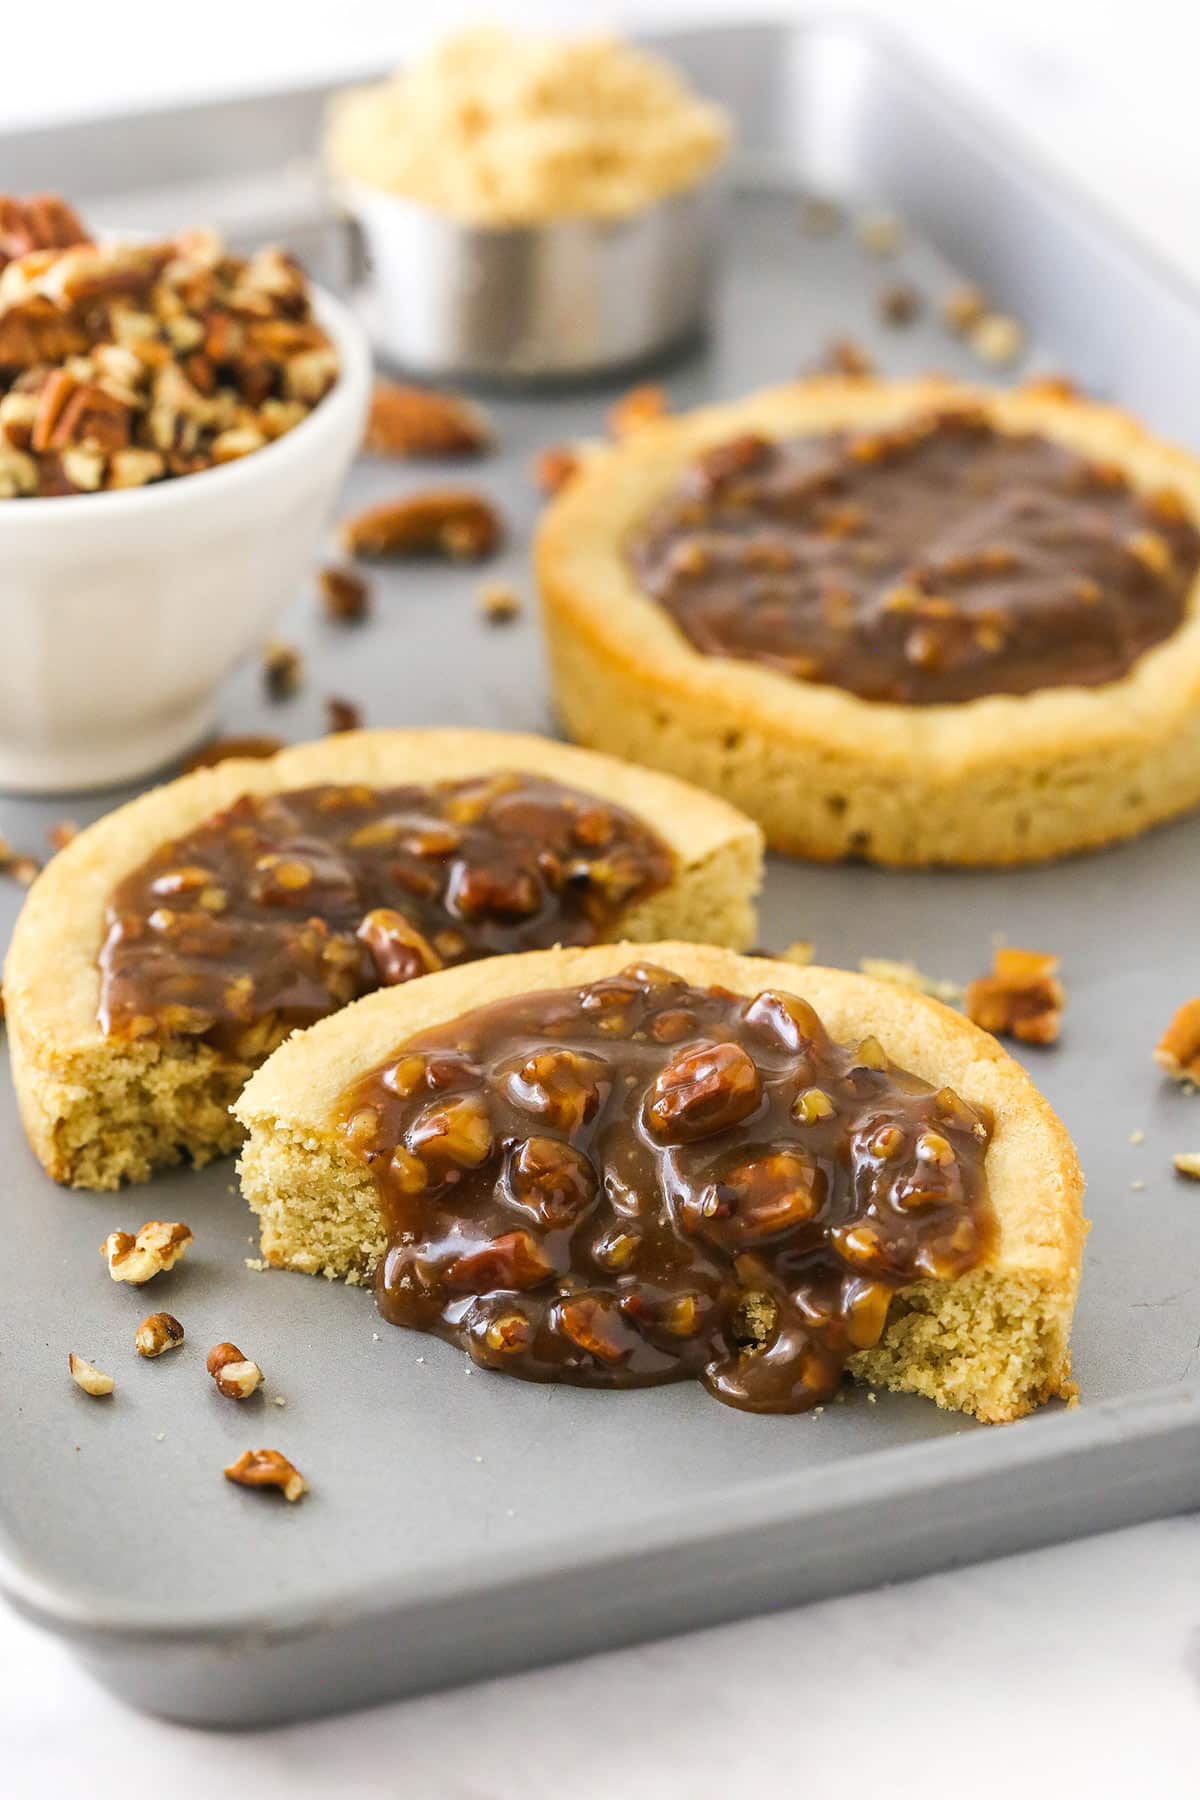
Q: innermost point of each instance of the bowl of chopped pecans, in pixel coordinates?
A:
(175, 423)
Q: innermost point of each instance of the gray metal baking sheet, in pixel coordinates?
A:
(461, 1524)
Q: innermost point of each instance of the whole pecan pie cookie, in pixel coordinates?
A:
(906, 621)
(168, 949)
(615, 1168)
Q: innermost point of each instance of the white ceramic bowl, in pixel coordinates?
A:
(121, 612)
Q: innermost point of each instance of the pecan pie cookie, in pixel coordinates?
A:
(617, 1168)
(907, 621)
(167, 950)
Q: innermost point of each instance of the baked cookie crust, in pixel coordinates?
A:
(999, 780)
(99, 1110)
(993, 1343)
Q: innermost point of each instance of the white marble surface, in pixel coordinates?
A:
(1072, 1671)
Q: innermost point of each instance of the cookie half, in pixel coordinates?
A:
(163, 954)
(614, 1166)
(908, 621)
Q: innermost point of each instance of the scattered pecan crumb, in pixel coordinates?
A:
(219, 750)
(818, 216)
(799, 951)
(342, 715)
(87, 1376)
(60, 835)
(639, 407)
(18, 868)
(963, 307)
(235, 1374)
(1021, 998)
(882, 233)
(899, 303)
(157, 1332)
(843, 356)
(267, 1468)
(907, 974)
(498, 602)
(554, 466)
(997, 338)
(157, 1247)
(345, 596)
(1178, 1049)
(282, 670)
(412, 421)
(453, 522)
(1188, 1163)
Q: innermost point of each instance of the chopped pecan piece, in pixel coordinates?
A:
(21, 869)
(899, 303)
(342, 715)
(963, 307)
(412, 421)
(881, 233)
(236, 1376)
(220, 750)
(87, 1376)
(453, 522)
(1178, 1049)
(554, 466)
(60, 835)
(267, 1468)
(843, 356)
(282, 670)
(345, 597)
(1021, 998)
(157, 1332)
(638, 408)
(499, 603)
(997, 339)
(157, 1247)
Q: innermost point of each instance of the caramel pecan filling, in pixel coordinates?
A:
(287, 906)
(642, 1180)
(936, 561)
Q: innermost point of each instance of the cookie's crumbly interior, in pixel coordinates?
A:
(994, 1345)
(112, 1111)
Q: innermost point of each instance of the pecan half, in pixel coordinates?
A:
(412, 421)
(453, 522)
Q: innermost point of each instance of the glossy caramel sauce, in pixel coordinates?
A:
(937, 561)
(285, 907)
(643, 1180)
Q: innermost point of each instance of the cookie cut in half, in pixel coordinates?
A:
(167, 950)
(617, 1167)
(907, 621)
